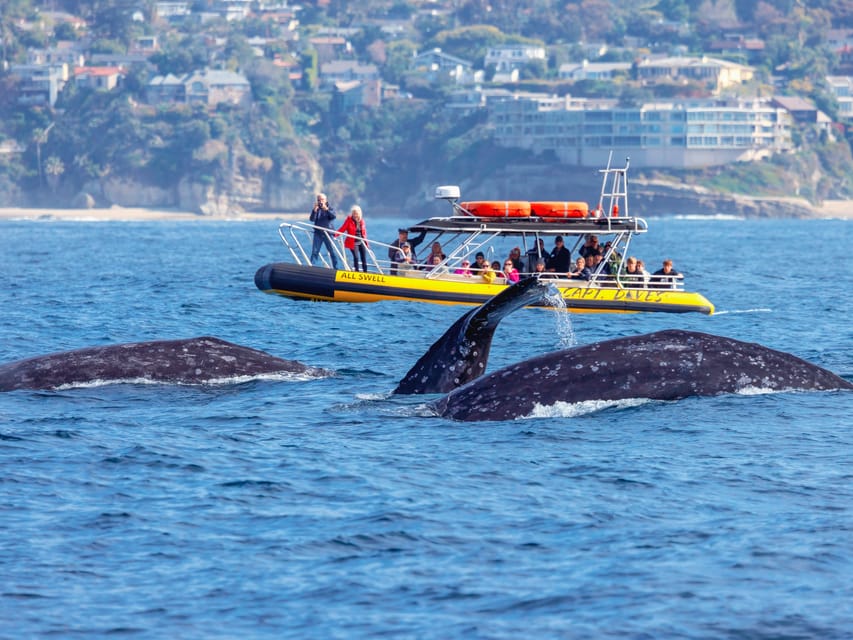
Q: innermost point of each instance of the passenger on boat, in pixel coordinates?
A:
(480, 263)
(580, 272)
(515, 257)
(665, 277)
(321, 217)
(435, 250)
(539, 268)
(464, 269)
(599, 266)
(646, 276)
(632, 276)
(435, 266)
(403, 260)
(590, 246)
(403, 236)
(356, 237)
(488, 274)
(510, 272)
(535, 253)
(561, 258)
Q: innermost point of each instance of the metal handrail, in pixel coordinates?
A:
(290, 232)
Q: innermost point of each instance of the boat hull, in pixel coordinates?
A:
(303, 282)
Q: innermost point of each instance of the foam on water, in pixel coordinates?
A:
(574, 409)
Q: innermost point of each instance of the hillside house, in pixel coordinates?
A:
(513, 57)
(346, 71)
(438, 67)
(717, 74)
(40, 84)
(208, 86)
(330, 48)
(99, 78)
(842, 89)
(65, 52)
(594, 70)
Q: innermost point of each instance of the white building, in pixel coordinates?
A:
(687, 134)
(842, 89)
(594, 70)
(512, 57)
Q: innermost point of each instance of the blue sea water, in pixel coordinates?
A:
(327, 509)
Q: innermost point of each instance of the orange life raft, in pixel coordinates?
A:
(498, 208)
(556, 211)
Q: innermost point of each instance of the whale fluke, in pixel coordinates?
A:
(189, 361)
(461, 354)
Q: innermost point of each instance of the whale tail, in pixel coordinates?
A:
(461, 354)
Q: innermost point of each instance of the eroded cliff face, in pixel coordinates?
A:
(252, 184)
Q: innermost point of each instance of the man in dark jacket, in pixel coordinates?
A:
(561, 258)
(666, 277)
(321, 217)
(403, 236)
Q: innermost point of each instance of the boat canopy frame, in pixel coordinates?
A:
(464, 234)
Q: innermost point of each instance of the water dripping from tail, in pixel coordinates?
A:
(562, 319)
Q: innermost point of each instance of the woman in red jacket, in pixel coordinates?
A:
(356, 239)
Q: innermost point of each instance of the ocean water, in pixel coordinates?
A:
(327, 509)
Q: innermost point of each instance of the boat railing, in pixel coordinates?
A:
(298, 235)
(298, 238)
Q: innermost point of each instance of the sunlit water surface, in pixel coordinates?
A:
(328, 509)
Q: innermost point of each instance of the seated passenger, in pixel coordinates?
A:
(435, 266)
(560, 259)
(434, 251)
(510, 272)
(535, 253)
(539, 268)
(665, 277)
(488, 274)
(590, 247)
(632, 276)
(515, 258)
(599, 266)
(580, 272)
(403, 236)
(403, 259)
(480, 263)
(645, 275)
(464, 269)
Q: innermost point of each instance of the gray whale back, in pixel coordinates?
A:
(188, 361)
(665, 365)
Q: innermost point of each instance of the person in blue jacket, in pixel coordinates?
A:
(321, 217)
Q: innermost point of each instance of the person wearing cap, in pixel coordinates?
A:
(321, 217)
(403, 236)
(560, 259)
(403, 260)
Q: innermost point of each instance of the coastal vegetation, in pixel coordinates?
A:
(294, 130)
